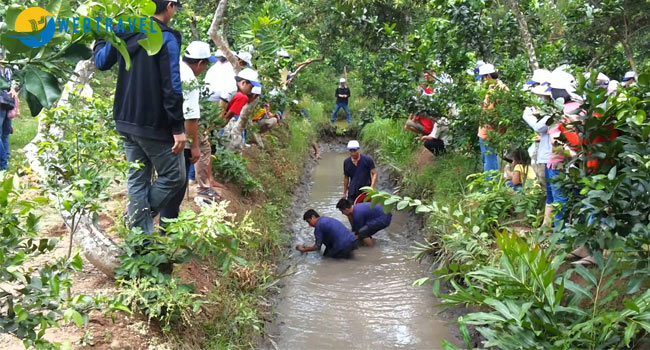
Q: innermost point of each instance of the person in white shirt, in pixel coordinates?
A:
(195, 61)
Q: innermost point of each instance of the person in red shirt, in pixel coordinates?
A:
(246, 79)
(419, 124)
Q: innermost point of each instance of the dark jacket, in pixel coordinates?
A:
(342, 91)
(149, 97)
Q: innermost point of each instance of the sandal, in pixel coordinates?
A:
(210, 194)
(586, 261)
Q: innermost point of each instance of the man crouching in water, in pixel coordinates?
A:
(339, 242)
(365, 219)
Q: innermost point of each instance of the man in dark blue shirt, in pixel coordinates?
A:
(365, 219)
(358, 171)
(339, 242)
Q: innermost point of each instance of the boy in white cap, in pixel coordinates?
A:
(246, 80)
(245, 59)
(358, 171)
(629, 79)
(195, 61)
(342, 95)
(488, 74)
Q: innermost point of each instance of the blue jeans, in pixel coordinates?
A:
(5, 131)
(147, 198)
(488, 156)
(555, 194)
(173, 207)
(192, 174)
(338, 108)
(514, 187)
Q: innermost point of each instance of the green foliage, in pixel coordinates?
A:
(83, 157)
(529, 304)
(32, 299)
(231, 167)
(144, 276)
(610, 176)
(42, 70)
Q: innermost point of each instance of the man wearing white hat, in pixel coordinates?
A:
(629, 79)
(358, 171)
(342, 95)
(195, 61)
(488, 74)
(220, 80)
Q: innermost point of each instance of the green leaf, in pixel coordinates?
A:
(644, 79)
(74, 315)
(153, 41)
(586, 274)
(10, 16)
(42, 85)
(55, 285)
(631, 305)
(634, 285)
(75, 53)
(402, 204)
(4, 84)
(420, 282)
(630, 330)
(148, 8)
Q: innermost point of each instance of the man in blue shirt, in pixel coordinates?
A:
(339, 242)
(358, 171)
(365, 219)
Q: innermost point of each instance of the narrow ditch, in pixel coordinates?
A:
(364, 303)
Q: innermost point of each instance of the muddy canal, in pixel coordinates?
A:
(364, 303)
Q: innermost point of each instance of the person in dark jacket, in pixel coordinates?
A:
(148, 113)
(365, 219)
(342, 95)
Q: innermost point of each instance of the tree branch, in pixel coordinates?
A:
(525, 34)
(218, 39)
(302, 66)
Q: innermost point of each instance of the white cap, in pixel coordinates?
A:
(601, 79)
(478, 65)
(219, 53)
(562, 80)
(629, 76)
(485, 69)
(200, 51)
(342, 80)
(257, 90)
(245, 56)
(283, 53)
(540, 76)
(250, 75)
(541, 90)
(612, 86)
(353, 144)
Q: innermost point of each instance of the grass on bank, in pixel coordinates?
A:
(442, 180)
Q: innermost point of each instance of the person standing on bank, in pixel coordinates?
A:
(339, 242)
(342, 95)
(148, 113)
(365, 219)
(195, 61)
(358, 171)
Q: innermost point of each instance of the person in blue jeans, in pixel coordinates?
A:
(148, 113)
(5, 131)
(342, 95)
(365, 219)
(338, 240)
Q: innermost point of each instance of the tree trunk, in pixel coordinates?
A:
(525, 34)
(96, 246)
(218, 40)
(195, 31)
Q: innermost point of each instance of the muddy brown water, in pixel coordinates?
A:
(367, 302)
